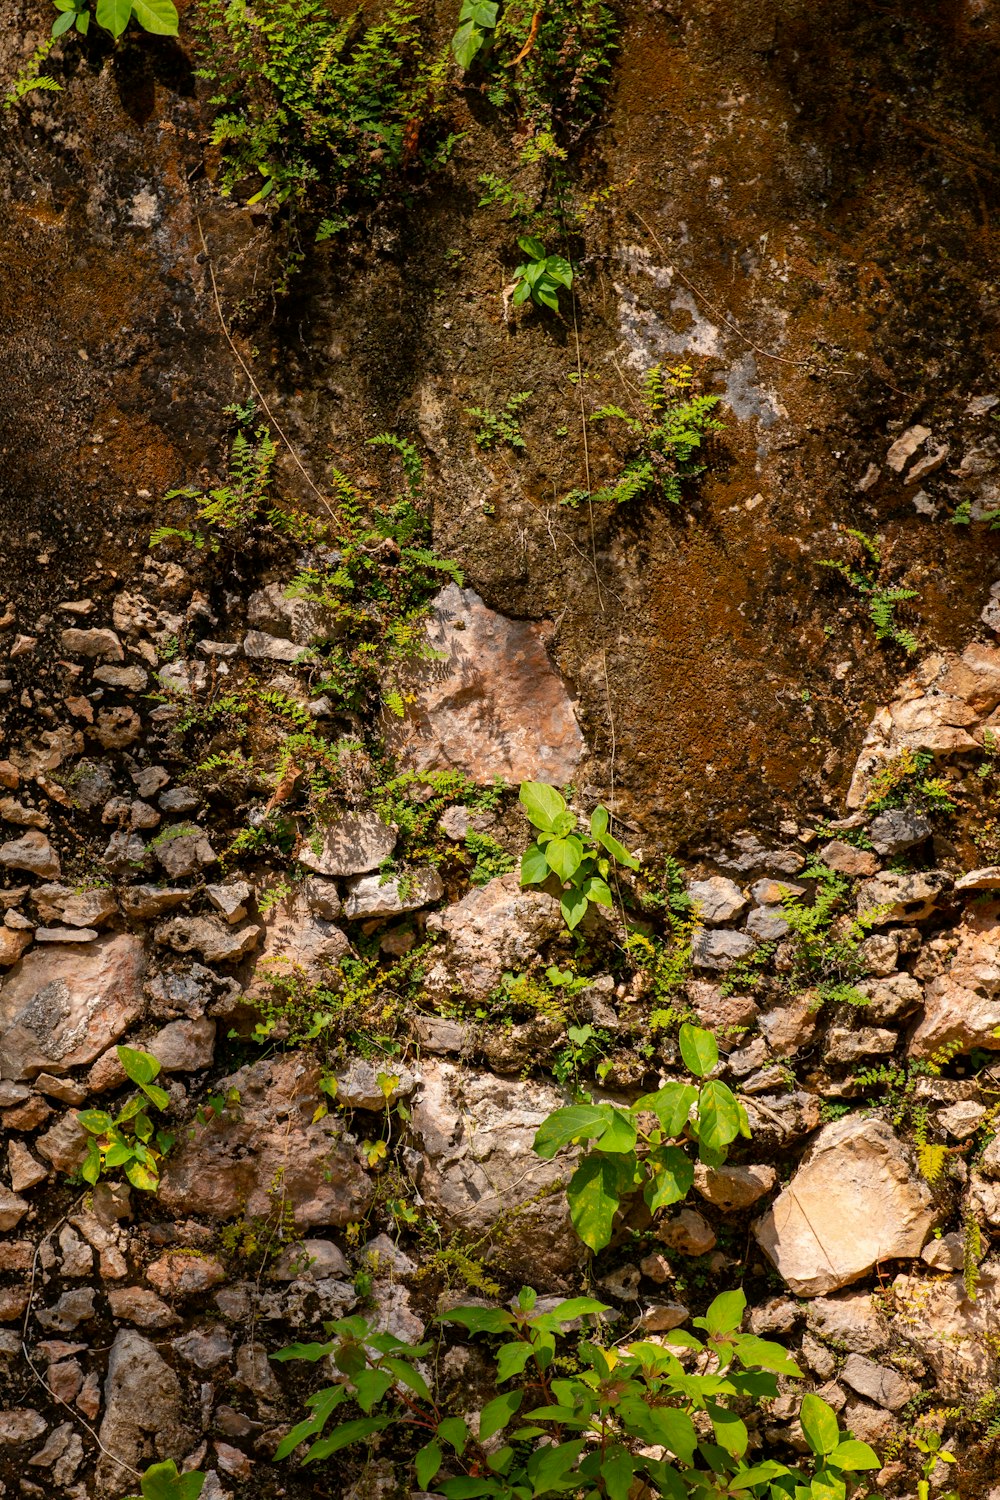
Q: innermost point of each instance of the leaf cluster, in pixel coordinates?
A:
(579, 860)
(541, 276)
(128, 1139)
(862, 574)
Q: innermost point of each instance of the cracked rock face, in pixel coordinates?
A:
(855, 1200)
(60, 1009)
(963, 1004)
(492, 704)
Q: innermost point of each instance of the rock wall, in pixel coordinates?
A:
(355, 1019)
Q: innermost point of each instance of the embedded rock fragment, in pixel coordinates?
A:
(952, 1333)
(854, 1201)
(898, 829)
(731, 1188)
(350, 845)
(720, 949)
(371, 896)
(479, 1177)
(495, 927)
(270, 1144)
(212, 937)
(717, 899)
(183, 849)
(271, 611)
(962, 1004)
(490, 703)
(61, 1008)
(75, 908)
(31, 852)
(296, 940)
(907, 897)
(145, 1412)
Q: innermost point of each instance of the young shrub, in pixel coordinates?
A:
(561, 848)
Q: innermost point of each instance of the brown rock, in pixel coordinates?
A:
(371, 896)
(184, 1273)
(854, 1200)
(65, 1145)
(185, 1046)
(59, 1009)
(75, 908)
(908, 897)
(92, 643)
(848, 860)
(12, 1209)
(495, 927)
(65, 1380)
(27, 1116)
(12, 945)
(791, 1026)
(231, 1165)
(31, 852)
(490, 704)
(962, 1004)
(117, 727)
(25, 1171)
(143, 1401)
(297, 940)
(349, 845)
(731, 1188)
(138, 1305)
(13, 1301)
(212, 937)
(145, 901)
(183, 849)
(22, 1425)
(688, 1232)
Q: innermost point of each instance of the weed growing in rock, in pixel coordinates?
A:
(863, 574)
(163, 1482)
(903, 782)
(491, 859)
(541, 276)
(667, 432)
(502, 426)
(594, 1420)
(630, 1154)
(234, 505)
(579, 860)
(129, 1139)
(156, 16)
(314, 109)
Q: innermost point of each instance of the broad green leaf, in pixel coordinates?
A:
(599, 820)
(427, 1462)
(546, 1466)
(763, 1354)
(97, 1121)
(162, 1482)
(312, 1352)
(83, 22)
(594, 1192)
(575, 1122)
(573, 905)
(853, 1454)
(618, 1471)
(671, 1177)
(346, 1434)
(534, 866)
(826, 1485)
(63, 23)
(620, 1132)
(671, 1105)
(511, 1359)
(497, 1413)
(725, 1313)
(142, 1177)
(560, 270)
(466, 42)
(718, 1116)
(157, 16)
(118, 1153)
(573, 1308)
(596, 889)
(371, 1386)
(454, 1432)
(730, 1431)
(615, 849)
(483, 12)
(819, 1423)
(90, 1171)
(564, 856)
(698, 1049)
(140, 1067)
(536, 250)
(480, 1319)
(156, 1095)
(408, 1376)
(675, 1430)
(114, 15)
(542, 803)
(464, 1488)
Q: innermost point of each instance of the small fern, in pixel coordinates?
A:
(882, 602)
(413, 466)
(972, 1249)
(931, 1158)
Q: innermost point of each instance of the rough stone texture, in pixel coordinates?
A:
(351, 845)
(854, 1200)
(32, 852)
(953, 1334)
(718, 900)
(212, 937)
(297, 940)
(495, 927)
(494, 706)
(719, 950)
(300, 620)
(371, 896)
(479, 1175)
(879, 1383)
(848, 860)
(183, 852)
(61, 1009)
(270, 1143)
(145, 1412)
(76, 908)
(358, 1086)
(902, 898)
(850, 1321)
(897, 829)
(963, 1004)
(731, 1188)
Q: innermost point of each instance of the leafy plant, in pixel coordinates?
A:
(157, 16)
(233, 505)
(502, 426)
(667, 431)
(579, 860)
(163, 1482)
(476, 22)
(541, 277)
(491, 858)
(129, 1140)
(903, 782)
(862, 573)
(604, 1423)
(931, 1444)
(631, 1154)
(552, 64)
(322, 110)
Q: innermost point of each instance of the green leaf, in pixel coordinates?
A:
(90, 1171)
(542, 803)
(162, 1482)
(559, 269)
(534, 866)
(596, 889)
(535, 249)
(698, 1049)
(455, 1432)
(408, 1376)
(725, 1313)
(564, 856)
(763, 1354)
(497, 1413)
(730, 1431)
(142, 1177)
(853, 1454)
(574, 1122)
(718, 1116)
(618, 1472)
(140, 1067)
(573, 905)
(819, 1423)
(83, 22)
(371, 1386)
(671, 1105)
(465, 44)
(594, 1192)
(480, 1319)
(427, 1462)
(156, 1095)
(97, 1121)
(311, 1352)
(63, 23)
(114, 15)
(511, 1359)
(674, 1429)
(617, 850)
(599, 820)
(671, 1177)
(157, 16)
(346, 1434)
(464, 1488)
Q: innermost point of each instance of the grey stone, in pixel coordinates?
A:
(231, 899)
(897, 829)
(145, 901)
(31, 852)
(879, 1383)
(495, 927)
(144, 1406)
(719, 950)
(718, 900)
(349, 845)
(358, 1087)
(907, 897)
(183, 849)
(371, 896)
(179, 799)
(212, 937)
(92, 643)
(847, 1044)
(261, 647)
(767, 923)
